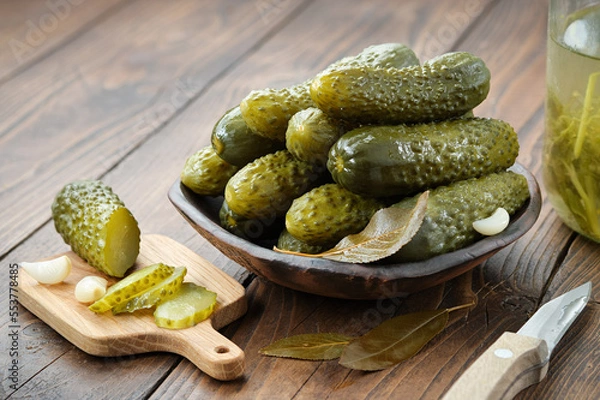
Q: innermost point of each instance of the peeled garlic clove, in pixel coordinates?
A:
(49, 272)
(90, 289)
(494, 224)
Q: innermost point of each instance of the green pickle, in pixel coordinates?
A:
(268, 111)
(444, 87)
(154, 295)
(247, 228)
(92, 219)
(131, 286)
(328, 213)
(451, 211)
(310, 135)
(289, 243)
(384, 161)
(191, 305)
(265, 188)
(237, 144)
(205, 173)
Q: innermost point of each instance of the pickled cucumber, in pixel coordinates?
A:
(403, 159)
(131, 286)
(92, 219)
(444, 87)
(237, 144)
(206, 173)
(154, 295)
(328, 213)
(310, 135)
(384, 55)
(265, 188)
(249, 229)
(191, 305)
(451, 211)
(268, 111)
(289, 243)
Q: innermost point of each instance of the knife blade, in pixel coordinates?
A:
(518, 360)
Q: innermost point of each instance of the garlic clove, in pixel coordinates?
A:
(90, 289)
(49, 272)
(494, 224)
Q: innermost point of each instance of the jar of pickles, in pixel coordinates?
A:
(571, 156)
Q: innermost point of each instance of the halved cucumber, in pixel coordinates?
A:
(92, 219)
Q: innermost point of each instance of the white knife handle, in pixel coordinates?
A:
(511, 364)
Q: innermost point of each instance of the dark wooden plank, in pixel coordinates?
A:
(573, 373)
(81, 110)
(158, 161)
(276, 312)
(329, 32)
(29, 30)
(268, 377)
(115, 100)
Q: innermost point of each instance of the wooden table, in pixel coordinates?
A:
(124, 91)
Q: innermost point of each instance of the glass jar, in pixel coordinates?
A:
(571, 155)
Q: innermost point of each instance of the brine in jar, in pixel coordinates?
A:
(571, 159)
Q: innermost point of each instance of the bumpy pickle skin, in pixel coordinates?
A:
(154, 295)
(451, 211)
(252, 230)
(205, 173)
(400, 160)
(268, 111)
(192, 305)
(237, 144)
(445, 87)
(92, 219)
(311, 133)
(265, 188)
(328, 213)
(132, 285)
(289, 243)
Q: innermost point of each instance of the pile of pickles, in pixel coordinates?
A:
(311, 163)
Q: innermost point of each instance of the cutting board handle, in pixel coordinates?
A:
(208, 349)
(511, 364)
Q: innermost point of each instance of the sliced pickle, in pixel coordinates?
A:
(192, 304)
(132, 285)
(155, 294)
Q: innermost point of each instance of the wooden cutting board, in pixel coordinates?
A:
(124, 334)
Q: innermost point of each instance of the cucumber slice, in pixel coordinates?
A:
(155, 294)
(131, 286)
(190, 306)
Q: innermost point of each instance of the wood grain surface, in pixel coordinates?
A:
(126, 91)
(111, 335)
(31, 30)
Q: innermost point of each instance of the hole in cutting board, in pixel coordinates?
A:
(222, 349)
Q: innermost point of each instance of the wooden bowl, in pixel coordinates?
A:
(348, 280)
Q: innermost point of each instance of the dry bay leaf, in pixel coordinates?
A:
(388, 230)
(394, 340)
(386, 345)
(310, 346)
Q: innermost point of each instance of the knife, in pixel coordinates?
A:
(518, 360)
